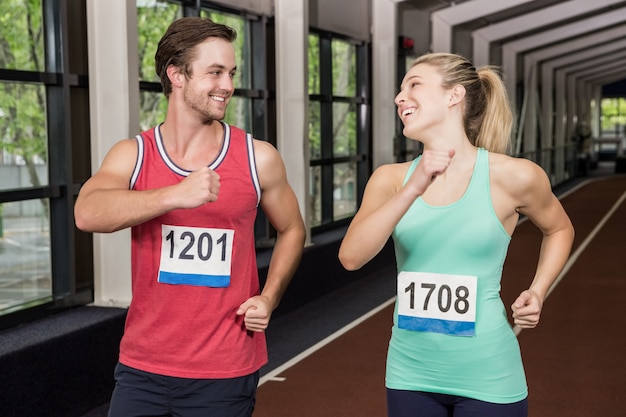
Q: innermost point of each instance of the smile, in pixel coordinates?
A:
(406, 112)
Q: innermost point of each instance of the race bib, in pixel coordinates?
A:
(438, 303)
(196, 256)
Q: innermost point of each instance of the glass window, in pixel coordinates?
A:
(338, 114)
(344, 129)
(314, 64)
(153, 19)
(344, 68)
(238, 113)
(25, 261)
(25, 273)
(24, 136)
(613, 116)
(344, 190)
(315, 186)
(21, 33)
(153, 109)
(315, 144)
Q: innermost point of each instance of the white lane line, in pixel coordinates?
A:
(574, 257)
(273, 375)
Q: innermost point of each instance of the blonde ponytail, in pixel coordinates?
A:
(494, 133)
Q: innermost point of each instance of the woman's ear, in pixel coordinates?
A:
(456, 94)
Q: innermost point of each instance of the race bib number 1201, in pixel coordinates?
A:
(196, 256)
(438, 303)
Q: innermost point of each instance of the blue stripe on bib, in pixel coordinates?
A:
(451, 327)
(217, 281)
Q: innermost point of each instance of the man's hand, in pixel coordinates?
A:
(200, 187)
(256, 313)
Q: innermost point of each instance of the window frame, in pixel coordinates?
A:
(66, 91)
(326, 99)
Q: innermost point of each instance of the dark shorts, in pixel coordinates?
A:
(426, 404)
(139, 393)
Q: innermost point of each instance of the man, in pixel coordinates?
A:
(189, 189)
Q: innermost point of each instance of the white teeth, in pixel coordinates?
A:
(408, 111)
(217, 98)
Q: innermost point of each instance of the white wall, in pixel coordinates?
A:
(114, 115)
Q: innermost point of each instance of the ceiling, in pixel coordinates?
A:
(544, 31)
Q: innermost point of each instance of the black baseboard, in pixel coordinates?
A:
(60, 366)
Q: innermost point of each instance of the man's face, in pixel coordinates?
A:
(210, 85)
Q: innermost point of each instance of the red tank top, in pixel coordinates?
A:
(192, 268)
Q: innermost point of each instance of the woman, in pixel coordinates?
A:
(451, 213)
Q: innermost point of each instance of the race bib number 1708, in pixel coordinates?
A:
(438, 303)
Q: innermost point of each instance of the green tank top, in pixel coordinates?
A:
(450, 333)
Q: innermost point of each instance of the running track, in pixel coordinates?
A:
(575, 359)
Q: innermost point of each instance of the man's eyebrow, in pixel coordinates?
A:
(222, 67)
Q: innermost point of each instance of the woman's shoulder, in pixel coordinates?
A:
(515, 172)
(393, 171)
(388, 178)
(509, 163)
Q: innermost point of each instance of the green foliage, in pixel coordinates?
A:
(314, 88)
(21, 35)
(22, 105)
(152, 22)
(613, 116)
(153, 19)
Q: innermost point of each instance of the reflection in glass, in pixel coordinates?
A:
(344, 190)
(344, 68)
(24, 138)
(238, 113)
(25, 271)
(315, 191)
(315, 145)
(314, 64)
(344, 129)
(153, 109)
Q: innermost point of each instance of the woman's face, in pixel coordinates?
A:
(422, 101)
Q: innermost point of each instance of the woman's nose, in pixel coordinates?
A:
(399, 99)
